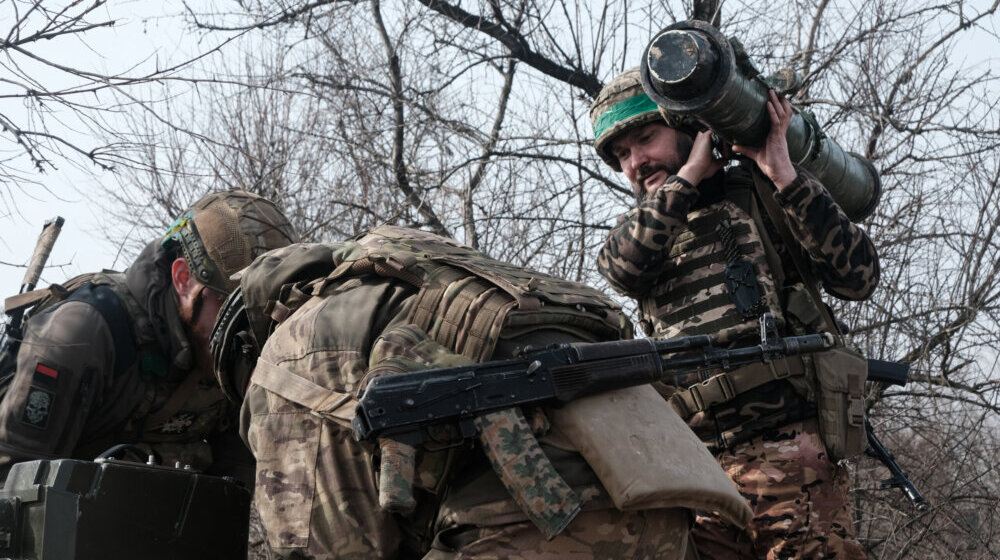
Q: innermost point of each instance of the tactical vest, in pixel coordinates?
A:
(466, 302)
(717, 258)
(722, 254)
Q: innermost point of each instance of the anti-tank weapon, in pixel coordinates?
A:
(691, 69)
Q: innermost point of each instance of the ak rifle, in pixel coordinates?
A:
(398, 406)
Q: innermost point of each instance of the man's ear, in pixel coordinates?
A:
(180, 275)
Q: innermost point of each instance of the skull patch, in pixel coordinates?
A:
(37, 408)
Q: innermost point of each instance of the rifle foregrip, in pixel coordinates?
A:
(587, 378)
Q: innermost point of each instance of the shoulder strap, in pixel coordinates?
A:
(799, 259)
(111, 307)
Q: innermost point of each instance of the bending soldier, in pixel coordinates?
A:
(331, 317)
(112, 358)
(707, 250)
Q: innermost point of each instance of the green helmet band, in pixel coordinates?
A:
(622, 110)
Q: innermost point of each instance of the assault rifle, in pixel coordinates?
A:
(10, 332)
(398, 406)
(892, 373)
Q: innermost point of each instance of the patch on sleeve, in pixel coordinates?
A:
(37, 408)
(45, 376)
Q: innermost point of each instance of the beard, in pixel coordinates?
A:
(669, 168)
(644, 191)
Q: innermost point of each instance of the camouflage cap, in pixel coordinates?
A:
(222, 233)
(622, 104)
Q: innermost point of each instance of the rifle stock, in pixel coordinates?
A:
(893, 373)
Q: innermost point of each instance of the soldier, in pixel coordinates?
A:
(123, 357)
(331, 317)
(703, 253)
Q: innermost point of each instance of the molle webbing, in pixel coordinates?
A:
(685, 243)
(465, 299)
(690, 289)
(718, 257)
(461, 312)
(717, 261)
(696, 309)
(726, 386)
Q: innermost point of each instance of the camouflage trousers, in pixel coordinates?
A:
(799, 499)
(604, 534)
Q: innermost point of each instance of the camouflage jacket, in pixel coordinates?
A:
(318, 490)
(83, 383)
(652, 248)
(672, 253)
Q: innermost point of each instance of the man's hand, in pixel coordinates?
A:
(773, 159)
(701, 163)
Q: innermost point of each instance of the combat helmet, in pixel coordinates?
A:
(621, 105)
(222, 233)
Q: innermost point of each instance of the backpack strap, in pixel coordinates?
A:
(113, 310)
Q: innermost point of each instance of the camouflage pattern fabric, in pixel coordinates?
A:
(786, 475)
(637, 251)
(318, 492)
(257, 548)
(799, 499)
(691, 296)
(605, 534)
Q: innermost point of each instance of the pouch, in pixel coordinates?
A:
(645, 456)
(840, 401)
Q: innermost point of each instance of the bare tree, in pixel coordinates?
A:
(59, 102)
(471, 119)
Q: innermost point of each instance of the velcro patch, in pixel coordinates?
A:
(38, 407)
(45, 376)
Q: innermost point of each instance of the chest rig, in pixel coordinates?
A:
(466, 303)
(720, 277)
(726, 272)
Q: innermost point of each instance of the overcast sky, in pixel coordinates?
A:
(152, 33)
(146, 34)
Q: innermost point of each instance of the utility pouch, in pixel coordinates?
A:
(800, 304)
(740, 276)
(645, 456)
(741, 281)
(840, 401)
